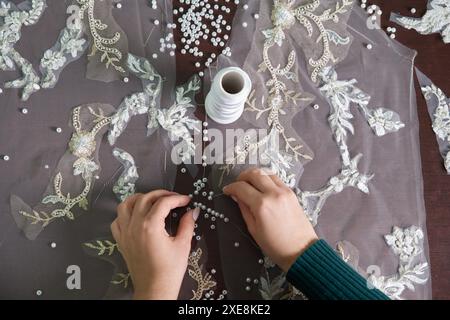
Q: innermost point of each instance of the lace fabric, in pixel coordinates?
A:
(435, 20)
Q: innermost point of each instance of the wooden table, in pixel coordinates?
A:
(433, 59)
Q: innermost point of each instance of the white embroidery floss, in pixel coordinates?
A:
(229, 91)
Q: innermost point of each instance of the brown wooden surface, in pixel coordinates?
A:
(433, 59)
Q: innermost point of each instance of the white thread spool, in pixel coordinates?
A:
(229, 91)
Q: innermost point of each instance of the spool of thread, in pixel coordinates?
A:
(229, 91)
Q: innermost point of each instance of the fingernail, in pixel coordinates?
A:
(234, 198)
(224, 188)
(195, 213)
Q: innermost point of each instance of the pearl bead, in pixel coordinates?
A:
(201, 74)
(261, 261)
(363, 5)
(392, 36)
(379, 12)
(245, 6)
(369, 46)
(183, 170)
(245, 24)
(39, 292)
(172, 53)
(255, 281)
(119, 6)
(197, 238)
(213, 271)
(24, 110)
(58, 130)
(126, 80)
(248, 280)
(256, 16)
(205, 138)
(46, 166)
(6, 157)
(53, 245)
(155, 56)
(316, 107)
(213, 227)
(247, 288)
(226, 220)
(197, 64)
(205, 124)
(156, 22)
(413, 10)
(236, 244)
(205, 180)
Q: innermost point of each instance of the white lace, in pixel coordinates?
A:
(125, 186)
(436, 19)
(441, 117)
(341, 94)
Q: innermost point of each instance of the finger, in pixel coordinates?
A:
(124, 211)
(115, 230)
(186, 226)
(162, 207)
(243, 192)
(258, 178)
(145, 202)
(278, 182)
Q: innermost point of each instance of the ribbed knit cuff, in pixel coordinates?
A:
(322, 275)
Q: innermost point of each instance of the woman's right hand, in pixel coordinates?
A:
(273, 216)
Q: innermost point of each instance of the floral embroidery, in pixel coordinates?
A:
(70, 46)
(204, 281)
(110, 55)
(175, 119)
(341, 94)
(408, 245)
(125, 185)
(436, 19)
(137, 103)
(82, 145)
(102, 247)
(276, 287)
(441, 117)
(270, 156)
(12, 20)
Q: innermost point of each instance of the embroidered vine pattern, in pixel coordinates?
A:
(341, 95)
(110, 55)
(441, 121)
(125, 185)
(279, 163)
(137, 103)
(436, 19)
(70, 45)
(11, 22)
(204, 281)
(82, 145)
(121, 279)
(102, 247)
(407, 244)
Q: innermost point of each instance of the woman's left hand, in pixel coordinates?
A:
(156, 261)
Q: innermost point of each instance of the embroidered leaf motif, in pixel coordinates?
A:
(102, 247)
(122, 279)
(203, 281)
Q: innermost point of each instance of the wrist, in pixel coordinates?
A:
(289, 259)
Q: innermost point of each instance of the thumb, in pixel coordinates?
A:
(186, 226)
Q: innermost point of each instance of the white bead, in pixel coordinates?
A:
(369, 46)
(126, 79)
(156, 22)
(39, 292)
(256, 16)
(245, 24)
(46, 166)
(201, 74)
(205, 124)
(379, 12)
(413, 10)
(316, 107)
(204, 164)
(119, 6)
(363, 5)
(53, 245)
(363, 1)
(392, 36)
(370, 11)
(155, 56)
(172, 53)
(6, 157)
(205, 138)
(245, 6)
(394, 29)
(197, 64)
(1, 90)
(24, 110)
(236, 244)
(58, 130)
(388, 29)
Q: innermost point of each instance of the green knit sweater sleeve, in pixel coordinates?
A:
(322, 275)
